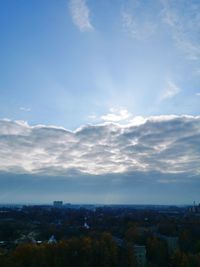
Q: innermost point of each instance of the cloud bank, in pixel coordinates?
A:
(164, 144)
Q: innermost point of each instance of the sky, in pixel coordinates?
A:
(100, 101)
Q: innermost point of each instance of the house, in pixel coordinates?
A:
(140, 255)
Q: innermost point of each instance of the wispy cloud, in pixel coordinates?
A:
(25, 109)
(81, 15)
(136, 20)
(92, 117)
(197, 72)
(184, 20)
(198, 94)
(136, 29)
(170, 91)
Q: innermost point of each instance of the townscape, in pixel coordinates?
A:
(62, 235)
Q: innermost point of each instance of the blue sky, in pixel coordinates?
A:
(55, 70)
(82, 65)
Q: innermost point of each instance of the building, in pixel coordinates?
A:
(140, 255)
(195, 208)
(57, 204)
(172, 242)
(86, 225)
(52, 240)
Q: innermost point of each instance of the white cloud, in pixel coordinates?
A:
(80, 15)
(116, 115)
(197, 94)
(137, 120)
(166, 144)
(170, 91)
